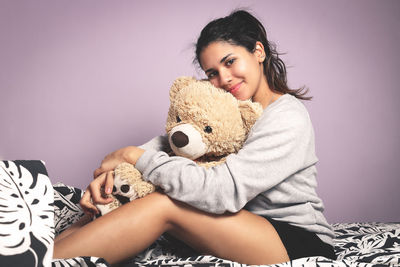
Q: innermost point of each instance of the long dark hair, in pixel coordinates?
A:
(243, 29)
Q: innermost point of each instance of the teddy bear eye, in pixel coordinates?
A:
(125, 188)
(208, 129)
(178, 119)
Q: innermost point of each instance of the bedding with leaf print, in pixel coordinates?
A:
(26, 214)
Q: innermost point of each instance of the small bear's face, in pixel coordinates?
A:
(124, 190)
(204, 120)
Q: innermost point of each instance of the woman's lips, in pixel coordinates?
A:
(234, 88)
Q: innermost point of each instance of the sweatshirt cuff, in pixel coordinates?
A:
(145, 160)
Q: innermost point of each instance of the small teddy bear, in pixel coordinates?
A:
(128, 186)
(204, 124)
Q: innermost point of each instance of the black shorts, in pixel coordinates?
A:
(301, 243)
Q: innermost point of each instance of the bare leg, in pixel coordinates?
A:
(77, 225)
(242, 237)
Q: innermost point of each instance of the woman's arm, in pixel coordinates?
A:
(280, 144)
(103, 176)
(128, 154)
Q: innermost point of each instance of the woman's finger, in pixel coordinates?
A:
(108, 188)
(95, 190)
(87, 204)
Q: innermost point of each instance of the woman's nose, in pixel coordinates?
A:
(225, 78)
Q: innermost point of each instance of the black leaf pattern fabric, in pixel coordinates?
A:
(377, 243)
(80, 262)
(66, 206)
(26, 214)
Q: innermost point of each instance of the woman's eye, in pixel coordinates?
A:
(212, 75)
(178, 119)
(230, 61)
(208, 129)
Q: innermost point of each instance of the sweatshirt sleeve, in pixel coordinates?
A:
(158, 143)
(277, 147)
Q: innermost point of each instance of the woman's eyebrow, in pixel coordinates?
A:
(225, 57)
(221, 61)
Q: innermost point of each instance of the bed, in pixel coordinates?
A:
(33, 211)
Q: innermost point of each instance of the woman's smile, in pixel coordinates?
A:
(234, 89)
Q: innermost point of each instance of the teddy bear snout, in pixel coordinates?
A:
(179, 139)
(186, 141)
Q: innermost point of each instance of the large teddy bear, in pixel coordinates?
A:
(204, 124)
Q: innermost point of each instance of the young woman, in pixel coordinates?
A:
(259, 207)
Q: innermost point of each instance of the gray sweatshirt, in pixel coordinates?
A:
(273, 175)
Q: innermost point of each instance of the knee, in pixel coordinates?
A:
(160, 205)
(159, 199)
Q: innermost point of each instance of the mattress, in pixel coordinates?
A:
(33, 211)
(356, 244)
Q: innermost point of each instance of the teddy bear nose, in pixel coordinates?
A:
(179, 139)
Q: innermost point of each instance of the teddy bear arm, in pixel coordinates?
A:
(143, 188)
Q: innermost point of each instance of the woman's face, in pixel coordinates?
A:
(234, 69)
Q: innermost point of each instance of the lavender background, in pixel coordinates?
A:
(79, 79)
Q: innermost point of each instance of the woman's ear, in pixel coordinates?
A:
(259, 52)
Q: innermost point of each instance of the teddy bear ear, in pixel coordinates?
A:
(250, 112)
(178, 84)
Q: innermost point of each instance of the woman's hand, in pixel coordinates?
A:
(103, 177)
(93, 193)
(128, 154)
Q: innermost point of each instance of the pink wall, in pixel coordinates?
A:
(79, 79)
